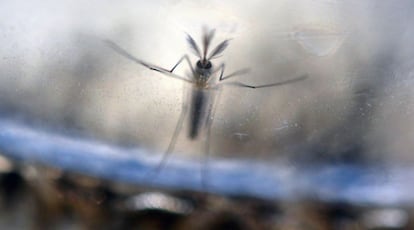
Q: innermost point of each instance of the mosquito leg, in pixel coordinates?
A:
(185, 56)
(240, 84)
(221, 68)
(173, 141)
(150, 66)
(222, 77)
(205, 168)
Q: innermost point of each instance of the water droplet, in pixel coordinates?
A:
(241, 136)
(319, 40)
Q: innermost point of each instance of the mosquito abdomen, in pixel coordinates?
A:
(198, 112)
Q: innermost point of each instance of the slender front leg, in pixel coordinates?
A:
(162, 70)
(185, 56)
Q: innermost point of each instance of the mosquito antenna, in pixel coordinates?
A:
(207, 37)
(219, 49)
(194, 46)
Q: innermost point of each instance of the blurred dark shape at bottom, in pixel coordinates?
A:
(47, 198)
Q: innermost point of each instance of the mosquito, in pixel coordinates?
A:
(203, 81)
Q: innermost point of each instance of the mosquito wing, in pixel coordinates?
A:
(124, 53)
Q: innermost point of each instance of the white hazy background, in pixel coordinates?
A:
(357, 103)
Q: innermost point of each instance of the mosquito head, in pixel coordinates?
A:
(204, 68)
